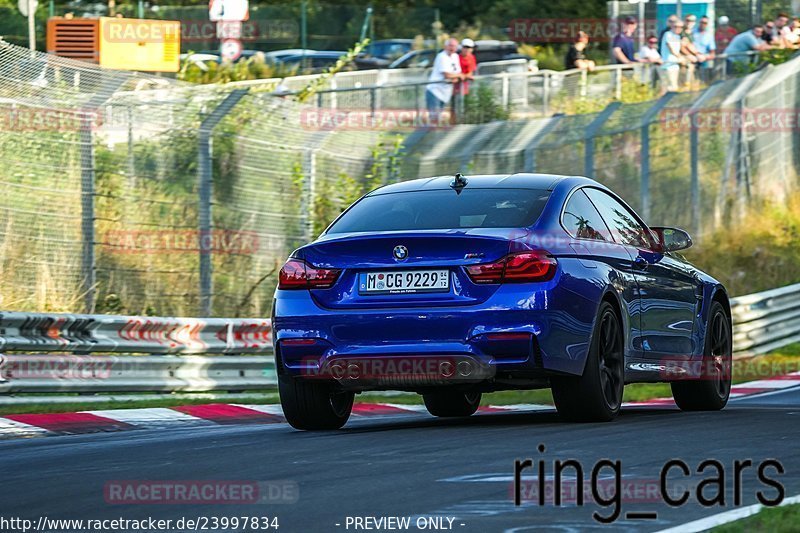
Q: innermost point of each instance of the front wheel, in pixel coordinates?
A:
(711, 391)
(595, 396)
(313, 405)
(452, 403)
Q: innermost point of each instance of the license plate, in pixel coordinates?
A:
(404, 281)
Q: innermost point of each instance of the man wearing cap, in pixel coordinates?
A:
(468, 65)
(725, 33)
(446, 71)
(622, 50)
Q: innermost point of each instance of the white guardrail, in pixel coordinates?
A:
(64, 353)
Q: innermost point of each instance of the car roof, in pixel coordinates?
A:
(486, 181)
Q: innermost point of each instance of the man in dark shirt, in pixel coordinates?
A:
(575, 57)
(622, 45)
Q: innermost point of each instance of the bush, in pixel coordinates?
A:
(758, 253)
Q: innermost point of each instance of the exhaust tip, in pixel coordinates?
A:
(337, 370)
(464, 368)
(447, 369)
(353, 372)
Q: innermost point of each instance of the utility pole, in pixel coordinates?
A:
(32, 25)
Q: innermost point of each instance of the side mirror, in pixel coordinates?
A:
(672, 239)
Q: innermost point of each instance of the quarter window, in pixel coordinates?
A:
(582, 220)
(620, 220)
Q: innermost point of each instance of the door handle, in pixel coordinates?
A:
(640, 263)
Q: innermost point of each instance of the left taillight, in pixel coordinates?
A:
(297, 274)
(521, 267)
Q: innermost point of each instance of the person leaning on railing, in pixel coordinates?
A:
(576, 57)
(671, 54)
(703, 40)
(747, 41)
(648, 53)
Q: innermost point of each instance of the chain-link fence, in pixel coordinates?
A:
(133, 194)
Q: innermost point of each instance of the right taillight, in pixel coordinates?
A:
(297, 274)
(520, 267)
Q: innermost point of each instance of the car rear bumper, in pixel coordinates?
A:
(518, 331)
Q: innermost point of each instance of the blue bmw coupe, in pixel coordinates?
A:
(455, 286)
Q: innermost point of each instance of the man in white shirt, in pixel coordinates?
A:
(446, 71)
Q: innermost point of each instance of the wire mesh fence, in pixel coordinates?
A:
(133, 194)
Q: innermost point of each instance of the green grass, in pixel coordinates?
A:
(772, 520)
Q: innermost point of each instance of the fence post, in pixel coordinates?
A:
(588, 138)
(310, 171)
(205, 194)
(546, 96)
(88, 275)
(86, 143)
(131, 156)
(694, 154)
(647, 118)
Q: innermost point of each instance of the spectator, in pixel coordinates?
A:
(783, 28)
(575, 57)
(769, 32)
(793, 34)
(446, 71)
(748, 41)
(670, 23)
(688, 49)
(649, 52)
(671, 54)
(705, 45)
(468, 65)
(622, 45)
(725, 33)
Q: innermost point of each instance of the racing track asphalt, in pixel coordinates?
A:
(405, 466)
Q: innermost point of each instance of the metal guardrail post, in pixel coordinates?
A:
(205, 193)
(589, 135)
(647, 118)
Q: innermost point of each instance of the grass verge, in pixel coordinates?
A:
(773, 520)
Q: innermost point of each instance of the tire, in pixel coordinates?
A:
(712, 390)
(452, 403)
(313, 405)
(596, 395)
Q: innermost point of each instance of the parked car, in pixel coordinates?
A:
(312, 63)
(488, 50)
(276, 56)
(381, 53)
(452, 287)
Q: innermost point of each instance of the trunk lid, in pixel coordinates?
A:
(432, 251)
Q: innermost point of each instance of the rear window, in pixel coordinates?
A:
(444, 209)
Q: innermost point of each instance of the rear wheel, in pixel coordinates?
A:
(313, 405)
(452, 403)
(595, 396)
(711, 391)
